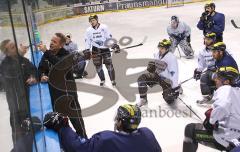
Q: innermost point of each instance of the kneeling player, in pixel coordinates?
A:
(206, 64)
(222, 59)
(220, 129)
(162, 71)
(127, 137)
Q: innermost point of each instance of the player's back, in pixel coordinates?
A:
(141, 140)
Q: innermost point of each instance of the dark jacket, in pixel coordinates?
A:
(218, 24)
(143, 140)
(226, 61)
(59, 70)
(15, 72)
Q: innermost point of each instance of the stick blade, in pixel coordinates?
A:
(234, 24)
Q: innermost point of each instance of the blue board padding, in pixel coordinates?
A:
(40, 103)
(35, 109)
(37, 55)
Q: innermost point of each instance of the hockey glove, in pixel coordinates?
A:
(151, 67)
(28, 124)
(177, 38)
(207, 125)
(169, 95)
(182, 36)
(197, 74)
(204, 16)
(87, 54)
(116, 48)
(55, 121)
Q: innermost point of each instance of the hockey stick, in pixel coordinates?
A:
(190, 109)
(140, 44)
(191, 78)
(234, 24)
(179, 52)
(186, 80)
(129, 47)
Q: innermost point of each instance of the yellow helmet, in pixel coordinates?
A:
(165, 43)
(219, 46)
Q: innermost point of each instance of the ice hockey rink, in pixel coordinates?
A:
(137, 24)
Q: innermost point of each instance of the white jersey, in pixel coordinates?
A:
(205, 59)
(182, 28)
(226, 110)
(71, 47)
(171, 71)
(97, 37)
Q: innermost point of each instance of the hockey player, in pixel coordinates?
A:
(79, 61)
(127, 137)
(70, 45)
(222, 59)
(162, 71)
(206, 62)
(96, 39)
(220, 129)
(180, 34)
(212, 21)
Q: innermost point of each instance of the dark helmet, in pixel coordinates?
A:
(219, 46)
(226, 73)
(211, 5)
(175, 18)
(165, 43)
(94, 16)
(130, 115)
(211, 35)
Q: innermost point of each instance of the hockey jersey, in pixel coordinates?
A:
(71, 47)
(97, 37)
(182, 28)
(226, 60)
(218, 20)
(227, 112)
(142, 140)
(171, 71)
(205, 59)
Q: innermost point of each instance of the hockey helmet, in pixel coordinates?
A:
(226, 73)
(175, 18)
(94, 16)
(130, 116)
(211, 5)
(211, 35)
(219, 46)
(165, 43)
(68, 35)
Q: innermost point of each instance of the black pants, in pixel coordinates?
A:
(79, 64)
(16, 119)
(194, 134)
(100, 57)
(151, 79)
(1, 83)
(67, 103)
(207, 85)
